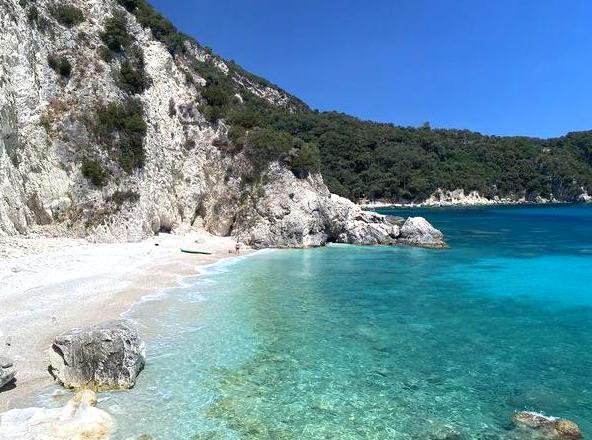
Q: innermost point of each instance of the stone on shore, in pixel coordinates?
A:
(78, 420)
(7, 371)
(416, 231)
(108, 356)
(551, 427)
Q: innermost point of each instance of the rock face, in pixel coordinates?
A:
(549, 427)
(188, 178)
(78, 420)
(7, 371)
(103, 357)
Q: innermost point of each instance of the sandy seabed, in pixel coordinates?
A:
(51, 285)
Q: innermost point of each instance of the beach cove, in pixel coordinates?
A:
(370, 342)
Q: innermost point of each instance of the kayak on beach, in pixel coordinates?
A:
(195, 251)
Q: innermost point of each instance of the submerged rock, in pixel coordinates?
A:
(106, 356)
(78, 420)
(7, 371)
(417, 231)
(551, 427)
(439, 431)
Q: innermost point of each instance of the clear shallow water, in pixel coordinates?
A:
(357, 342)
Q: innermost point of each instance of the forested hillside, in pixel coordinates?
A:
(361, 159)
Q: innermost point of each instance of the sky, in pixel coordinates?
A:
(503, 67)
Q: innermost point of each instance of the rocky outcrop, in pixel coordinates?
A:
(549, 427)
(292, 212)
(585, 198)
(416, 231)
(7, 371)
(103, 357)
(473, 198)
(78, 420)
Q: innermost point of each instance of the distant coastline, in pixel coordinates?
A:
(458, 198)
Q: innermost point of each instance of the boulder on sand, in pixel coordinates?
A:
(78, 420)
(551, 427)
(108, 356)
(7, 371)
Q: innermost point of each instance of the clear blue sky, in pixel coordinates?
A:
(498, 67)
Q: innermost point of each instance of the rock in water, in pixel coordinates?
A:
(78, 420)
(106, 356)
(7, 371)
(551, 427)
(416, 231)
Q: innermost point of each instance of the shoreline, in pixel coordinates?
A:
(379, 205)
(460, 198)
(51, 285)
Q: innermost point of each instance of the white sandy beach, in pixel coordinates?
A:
(50, 285)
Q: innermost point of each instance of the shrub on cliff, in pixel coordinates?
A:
(237, 136)
(265, 145)
(116, 36)
(93, 171)
(133, 78)
(215, 95)
(307, 161)
(33, 15)
(162, 29)
(245, 116)
(61, 65)
(125, 124)
(67, 15)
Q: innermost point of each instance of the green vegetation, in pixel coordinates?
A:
(308, 160)
(118, 42)
(122, 129)
(133, 78)
(265, 145)
(364, 159)
(93, 171)
(162, 29)
(67, 15)
(116, 36)
(237, 136)
(61, 65)
(33, 15)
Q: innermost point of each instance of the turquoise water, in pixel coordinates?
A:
(376, 342)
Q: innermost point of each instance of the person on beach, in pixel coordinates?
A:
(237, 248)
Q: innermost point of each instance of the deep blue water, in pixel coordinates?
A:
(377, 342)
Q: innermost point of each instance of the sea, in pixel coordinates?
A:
(385, 342)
